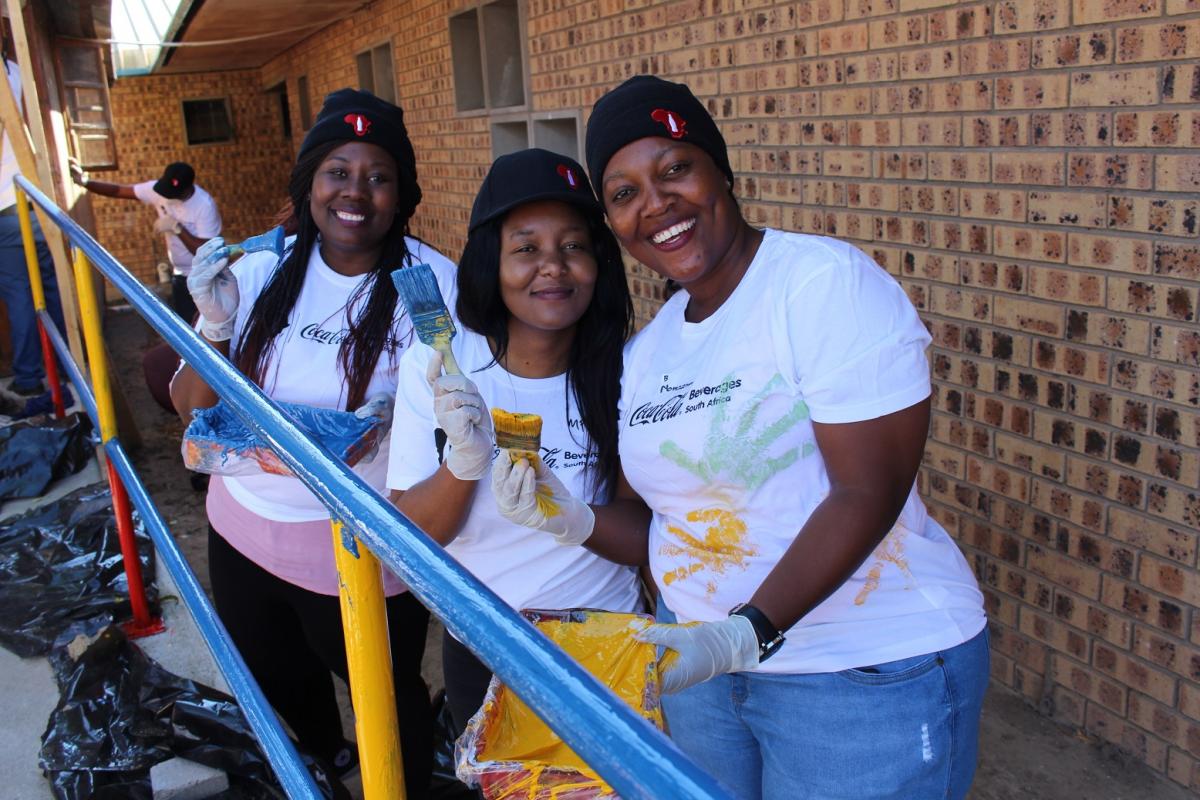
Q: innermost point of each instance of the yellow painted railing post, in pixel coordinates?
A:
(369, 658)
(143, 624)
(39, 301)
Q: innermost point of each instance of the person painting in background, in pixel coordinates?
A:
(187, 218)
(320, 327)
(773, 418)
(544, 312)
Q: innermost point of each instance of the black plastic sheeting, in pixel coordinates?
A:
(120, 713)
(61, 563)
(445, 784)
(35, 453)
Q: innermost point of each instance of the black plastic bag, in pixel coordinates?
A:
(445, 785)
(120, 713)
(35, 453)
(61, 563)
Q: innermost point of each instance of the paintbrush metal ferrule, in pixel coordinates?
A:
(271, 241)
(517, 432)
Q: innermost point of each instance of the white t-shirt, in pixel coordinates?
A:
(198, 215)
(305, 369)
(716, 436)
(525, 567)
(8, 160)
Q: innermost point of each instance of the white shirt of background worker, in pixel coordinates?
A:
(187, 218)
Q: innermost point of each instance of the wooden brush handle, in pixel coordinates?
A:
(449, 364)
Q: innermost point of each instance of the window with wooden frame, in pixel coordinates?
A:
(375, 74)
(207, 121)
(487, 53)
(302, 99)
(83, 78)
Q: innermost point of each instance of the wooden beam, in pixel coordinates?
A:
(27, 143)
(30, 145)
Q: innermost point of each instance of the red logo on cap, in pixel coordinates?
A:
(360, 123)
(675, 123)
(568, 175)
(174, 181)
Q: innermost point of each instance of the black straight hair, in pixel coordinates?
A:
(371, 330)
(594, 368)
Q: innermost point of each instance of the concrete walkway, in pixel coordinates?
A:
(28, 692)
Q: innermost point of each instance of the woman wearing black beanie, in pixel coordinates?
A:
(773, 418)
(319, 326)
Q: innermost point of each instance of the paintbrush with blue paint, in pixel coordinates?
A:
(272, 240)
(427, 310)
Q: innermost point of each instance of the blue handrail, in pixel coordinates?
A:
(634, 757)
(280, 751)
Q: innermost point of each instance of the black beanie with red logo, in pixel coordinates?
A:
(646, 105)
(351, 115)
(527, 176)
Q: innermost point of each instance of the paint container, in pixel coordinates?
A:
(509, 753)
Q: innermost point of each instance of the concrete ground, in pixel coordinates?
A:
(1022, 754)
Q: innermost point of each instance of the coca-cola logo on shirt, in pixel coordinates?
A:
(313, 332)
(648, 413)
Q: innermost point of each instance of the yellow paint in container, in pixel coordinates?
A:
(510, 753)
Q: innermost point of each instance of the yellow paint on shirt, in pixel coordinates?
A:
(722, 548)
(889, 551)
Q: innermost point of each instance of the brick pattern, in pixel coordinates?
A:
(247, 176)
(1027, 170)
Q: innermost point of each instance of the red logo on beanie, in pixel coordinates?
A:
(568, 175)
(174, 181)
(675, 123)
(360, 123)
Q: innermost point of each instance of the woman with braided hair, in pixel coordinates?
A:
(321, 326)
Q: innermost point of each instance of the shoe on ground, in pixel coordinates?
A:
(345, 761)
(27, 390)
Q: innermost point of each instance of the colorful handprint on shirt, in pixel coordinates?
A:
(734, 457)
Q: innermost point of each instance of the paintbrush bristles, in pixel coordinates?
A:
(516, 431)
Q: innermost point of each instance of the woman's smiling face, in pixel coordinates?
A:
(671, 208)
(547, 266)
(353, 203)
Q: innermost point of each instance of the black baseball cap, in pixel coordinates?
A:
(529, 175)
(176, 180)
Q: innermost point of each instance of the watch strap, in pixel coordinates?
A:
(770, 638)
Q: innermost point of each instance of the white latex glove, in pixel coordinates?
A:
(462, 414)
(698, 651)
(167, 224)
(214, 290)
(379, 406)
(533, 496)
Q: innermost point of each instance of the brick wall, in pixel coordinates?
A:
(246, 177)
(1028, 171)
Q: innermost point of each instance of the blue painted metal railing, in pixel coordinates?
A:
(635, 758)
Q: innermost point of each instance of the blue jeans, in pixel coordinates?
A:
(907, 729)
(16, 294)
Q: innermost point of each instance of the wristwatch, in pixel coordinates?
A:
(770, 638)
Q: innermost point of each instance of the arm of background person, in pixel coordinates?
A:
(122, 191)
(871, 465)
(190, 241)
(622, 530)
(438, 504)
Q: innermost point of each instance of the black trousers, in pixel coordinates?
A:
(292, 640)
(466, 679)
(181, 299)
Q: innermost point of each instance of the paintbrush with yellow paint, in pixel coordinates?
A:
(519, 434)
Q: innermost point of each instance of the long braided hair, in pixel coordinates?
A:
(371, 329)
